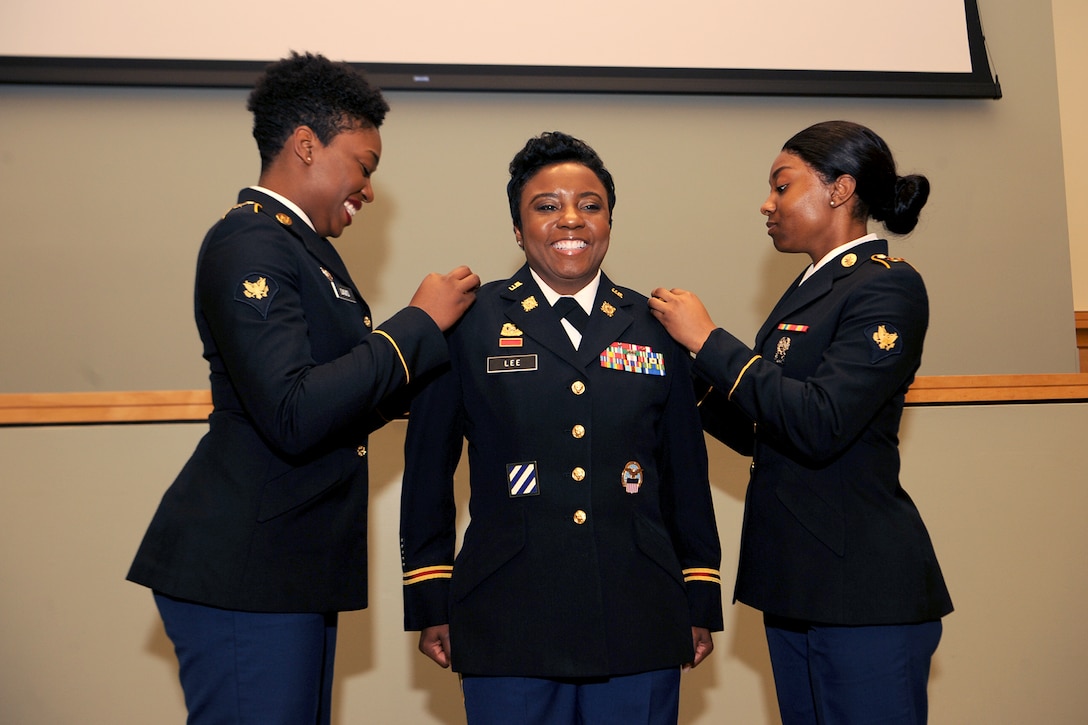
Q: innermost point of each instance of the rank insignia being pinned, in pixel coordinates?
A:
(529, 303)
(257, 291)
(632, 476)
(522, 479)
(633, 359)
(793, 328)
(781, 349)
(255, 205)
(884, 339)
(608, 309)
(510, 335)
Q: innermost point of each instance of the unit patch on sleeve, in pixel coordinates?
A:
(257, 291)
(633, 359)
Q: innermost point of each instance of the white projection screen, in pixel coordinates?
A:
(922, 48)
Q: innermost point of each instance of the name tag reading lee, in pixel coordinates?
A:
(511, 363)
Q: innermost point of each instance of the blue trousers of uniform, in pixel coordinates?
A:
(828, 675)
(250, 668)
(649, 698)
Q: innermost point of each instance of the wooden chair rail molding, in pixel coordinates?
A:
(160, 406)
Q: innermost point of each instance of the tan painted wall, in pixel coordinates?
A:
(995, 485)
(105, 194)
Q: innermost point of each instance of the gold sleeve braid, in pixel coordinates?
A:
(407, 374)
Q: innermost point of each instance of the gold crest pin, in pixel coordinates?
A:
(608, 309)
(529, 303)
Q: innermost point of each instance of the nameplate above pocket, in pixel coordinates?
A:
(511, 363)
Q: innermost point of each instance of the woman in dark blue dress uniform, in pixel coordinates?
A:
(833, 550)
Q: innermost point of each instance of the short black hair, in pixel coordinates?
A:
(835, 148)
(311, 90)
(553, 147)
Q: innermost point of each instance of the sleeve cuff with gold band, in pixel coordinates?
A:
(723, 361)
(416, 341)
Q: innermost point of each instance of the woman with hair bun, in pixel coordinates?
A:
(833, 550)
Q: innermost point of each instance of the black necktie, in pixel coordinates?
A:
(569, 308)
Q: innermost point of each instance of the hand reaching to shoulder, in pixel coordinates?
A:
(683, 316)
(445, 297)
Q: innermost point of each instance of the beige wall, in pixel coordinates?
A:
(1070, 25)
(80, 645)
(104, 194)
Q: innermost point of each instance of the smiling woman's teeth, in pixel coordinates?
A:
(350, 207)
(570, 244)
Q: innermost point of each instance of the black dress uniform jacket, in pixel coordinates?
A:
(269, 513)
(829, 534)
(592, 548)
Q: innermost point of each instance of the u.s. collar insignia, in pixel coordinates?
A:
(849, 260)
(284, 219)
(632, 476)
(617, 293)
(608, 309)
(529, 303)
(884, 341)
(257, 290)
(781, 349)
(510, 335)
(514, 286)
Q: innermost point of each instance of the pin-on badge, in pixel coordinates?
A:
(510, 335)
(529, 303)
(849, 260)
(608, 309)
(781, 349)
(632, 476)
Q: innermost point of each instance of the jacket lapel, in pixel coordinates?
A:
(318, 247)
(608, 320)
(817, 286)
(529, 311)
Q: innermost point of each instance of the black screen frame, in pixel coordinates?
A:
(979, 83)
